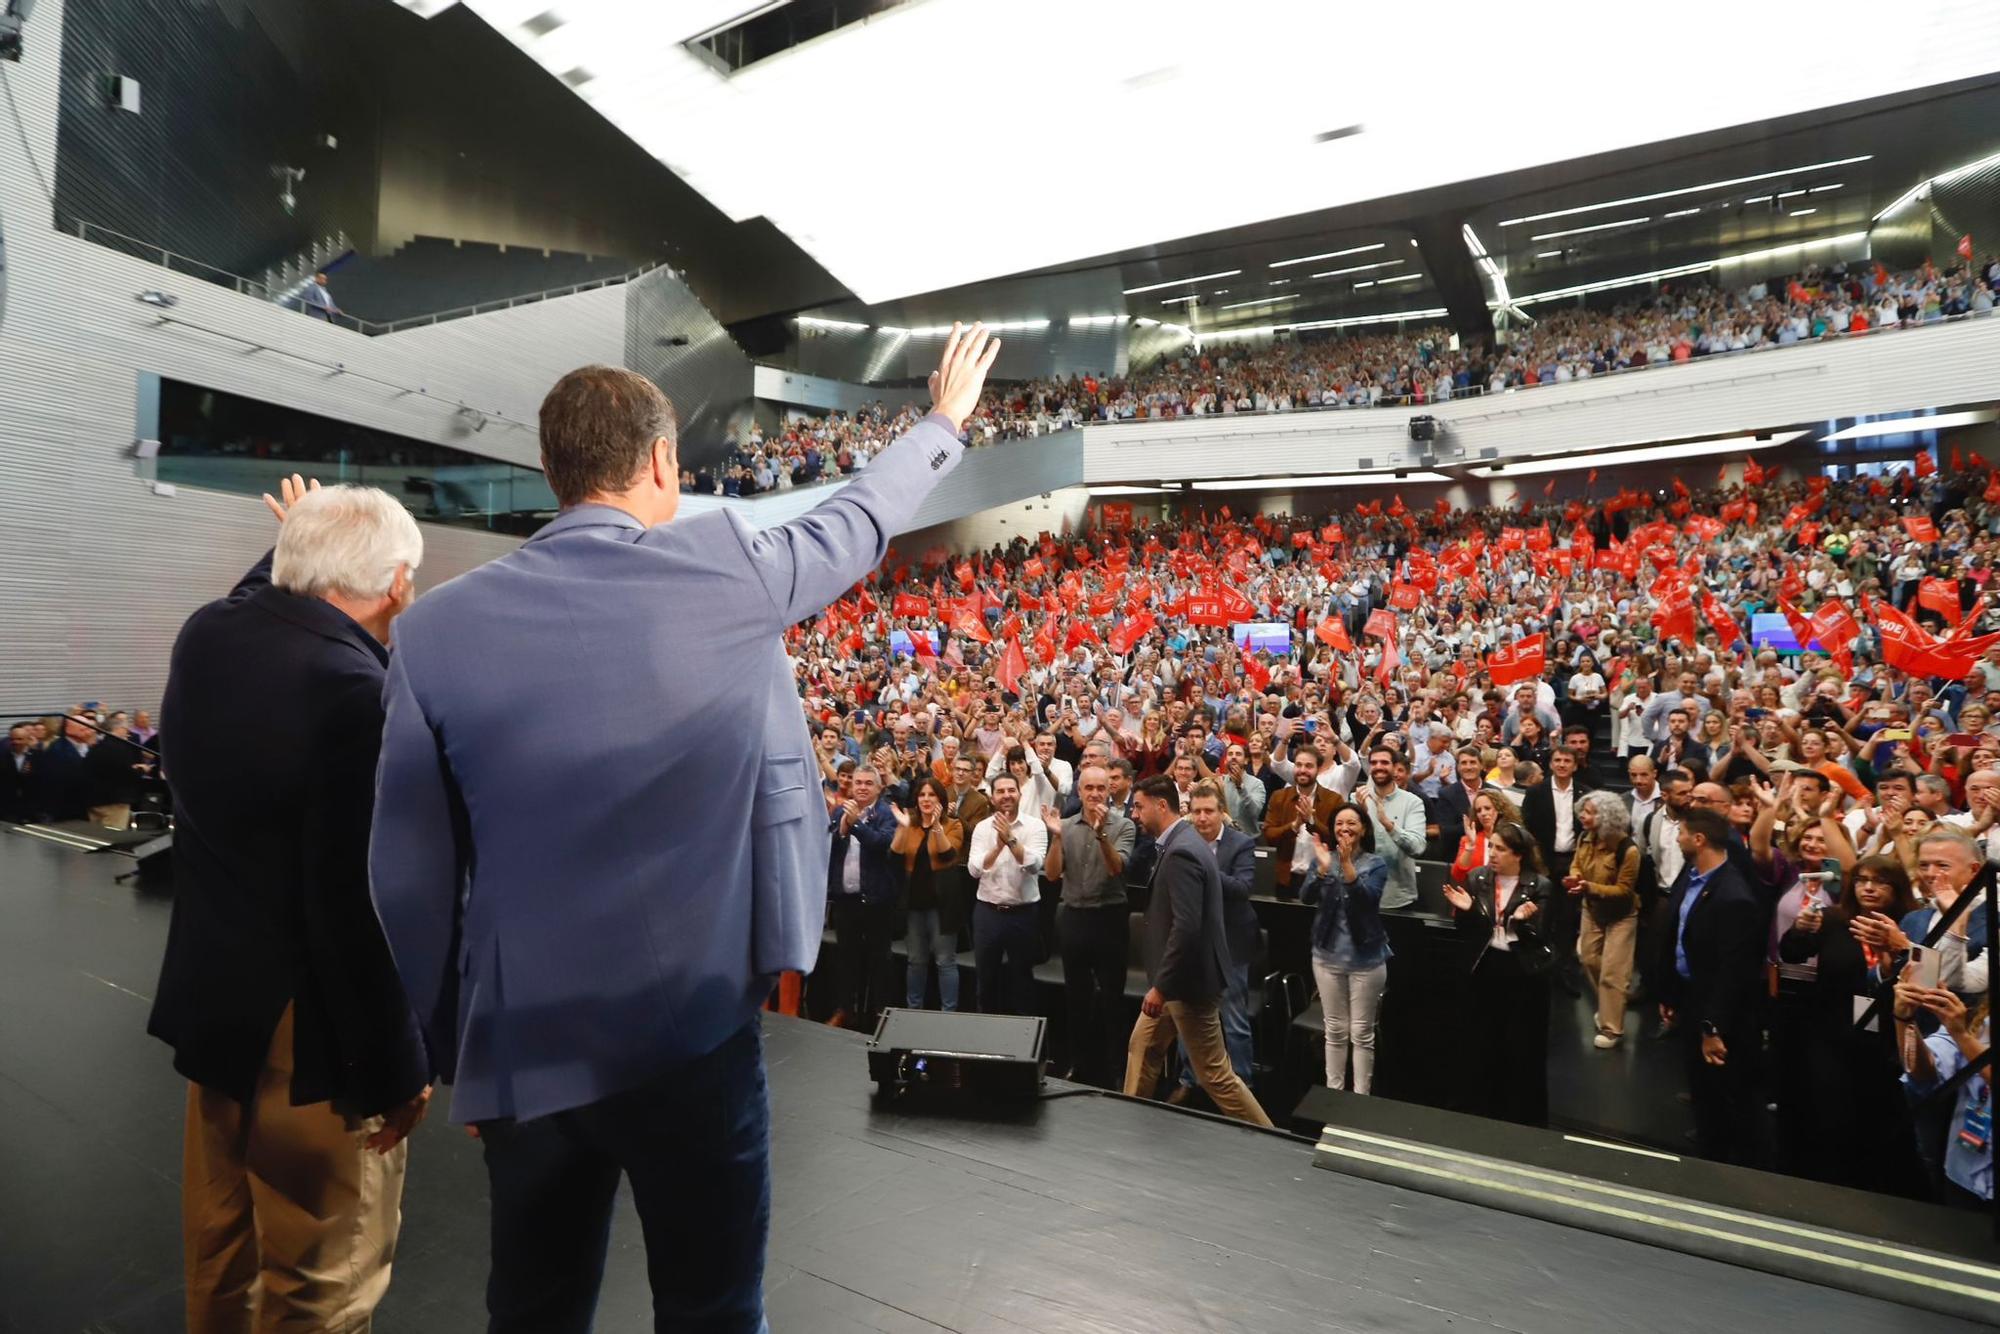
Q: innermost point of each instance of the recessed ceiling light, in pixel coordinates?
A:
(1758, 199)
(1787, 194)
(1685, 190)
(1331, 254)
(1262, 301)
(1358, 268)
(1277, 282)
(1182, 282)
(1801, 212)
(1548, 254)
(1171, 300)
(1942, 421)
(1595, 227)
(1682, 213)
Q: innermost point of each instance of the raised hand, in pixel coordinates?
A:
(902, 816)
(961, 373)
(293, 490)
(1458, 898)
(1052, 818)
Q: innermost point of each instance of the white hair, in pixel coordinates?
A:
(347, 540)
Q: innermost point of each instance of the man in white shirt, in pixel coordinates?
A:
(1005, 855)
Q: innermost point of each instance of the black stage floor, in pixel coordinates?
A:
(1092, 1214)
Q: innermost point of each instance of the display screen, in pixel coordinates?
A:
(1262, 636)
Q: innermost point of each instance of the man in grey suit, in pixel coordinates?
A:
(598, 840)
(1187, 961)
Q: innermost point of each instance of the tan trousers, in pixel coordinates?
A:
(1199, 1027)
(288, 1219)
(111, 817)
(1606, 955)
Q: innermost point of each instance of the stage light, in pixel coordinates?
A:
(1182, 282)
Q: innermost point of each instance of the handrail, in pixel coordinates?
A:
(371, 328)
(1482, 391)
(246, 286)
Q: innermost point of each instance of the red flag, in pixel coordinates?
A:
(1926, 465)
(1592, 479)
(1940, 596)
(966, 574)
(972, 626)
(1392, 658)
(1522, 661)
(1033, 567)
(1802, 630)
(1080, 632)
(1046, 644)
(1405, 597)
(1957, 459)
(1549, 487)
(1719, 617)
(909, 604)
(1259, 674)
(1334, 631)
(1920, 528)
(1965, 247)
(1129, 632)
(1833, 625)
(1753, 473)
(1013, 663)
(1680, 488)
(1993, 488)
(921, 641)
(1381, 624)
(1205, 610)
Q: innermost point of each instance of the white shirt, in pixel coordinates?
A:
(1007, 881)
(1565, 804)
(1503, 895)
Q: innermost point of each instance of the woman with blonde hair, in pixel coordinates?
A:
(1489, 810)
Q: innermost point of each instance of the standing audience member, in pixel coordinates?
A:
(1502, 905)
(1350, 951)
(929, 850)
(1004, 856)
(861, 897)
(1603, 877)
(1235, 856)
(1087, 854)
(1708, 979)
(1187, 962)
(17, 774)
(1398, 816)
(1303, 806)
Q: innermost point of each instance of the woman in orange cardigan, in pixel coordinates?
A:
(1489, 809)
(928, 853)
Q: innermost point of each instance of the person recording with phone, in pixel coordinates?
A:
(1963, 1033)
(1842, 1117)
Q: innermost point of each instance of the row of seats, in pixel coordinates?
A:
(431, 274)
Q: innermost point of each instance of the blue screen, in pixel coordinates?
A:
(1267, 636)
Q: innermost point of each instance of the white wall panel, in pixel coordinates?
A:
(100, 572)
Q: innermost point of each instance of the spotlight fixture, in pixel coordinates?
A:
(161, 299)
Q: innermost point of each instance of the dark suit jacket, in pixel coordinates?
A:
(60, 790)
(1727, 939)
(875, 830)
(1187, 946)
(1529, 946)
(1693, 754)
(16, 789)
(273, 722)
(1236, 863)
(1145, 852)
(108, 776)
(1281, 818)
(1538, 812)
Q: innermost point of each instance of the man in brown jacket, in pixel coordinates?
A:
(1291, 810)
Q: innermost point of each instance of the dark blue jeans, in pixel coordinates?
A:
(696, 1144)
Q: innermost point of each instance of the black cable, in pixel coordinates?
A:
(21, 130)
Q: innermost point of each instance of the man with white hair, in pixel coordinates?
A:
(306, 1070)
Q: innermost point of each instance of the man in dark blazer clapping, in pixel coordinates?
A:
(306, 1068)
(1708, 974)
(1187, 961)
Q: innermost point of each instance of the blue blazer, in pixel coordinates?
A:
(598, 832)
(874, 831)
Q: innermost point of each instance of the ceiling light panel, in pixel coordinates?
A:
(1182, 282)
(1594, 227)
(1939, 421)
(1331, 254)
(1625, 457)
(783, 138)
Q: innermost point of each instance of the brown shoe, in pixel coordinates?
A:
(840, 1019)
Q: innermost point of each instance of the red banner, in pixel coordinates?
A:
(1130, 632)
(1381, 624)
(1116, 515)
(1334, 631)
(909, 604)
(1013, 663)
(1920, 528)
(1405, 597)
(1205, 610)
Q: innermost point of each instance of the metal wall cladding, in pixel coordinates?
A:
(100, 572)
(192, 171)
(708, 377)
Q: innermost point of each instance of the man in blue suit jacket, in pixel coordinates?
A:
(1236, 862)
(861, 898)
(598, 839)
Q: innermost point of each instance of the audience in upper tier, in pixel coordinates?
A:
(1390, 367)
(1469, 687)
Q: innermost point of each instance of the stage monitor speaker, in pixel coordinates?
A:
(963, 1056)
(1423, 428)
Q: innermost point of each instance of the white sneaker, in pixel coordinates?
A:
(1604, 1042)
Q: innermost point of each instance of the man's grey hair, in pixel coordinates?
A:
(1958, 838)
(1614, 818)
(347, 540)
(1932, 783)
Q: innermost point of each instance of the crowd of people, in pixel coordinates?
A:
(89, 764)
(1559, 703)
(1388, 367)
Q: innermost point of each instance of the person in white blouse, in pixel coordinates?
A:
(1586, 693)
(1004, 857)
